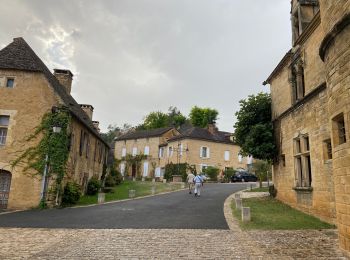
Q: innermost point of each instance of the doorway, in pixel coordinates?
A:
(5, 184)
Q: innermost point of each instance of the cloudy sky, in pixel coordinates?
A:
(130, 57)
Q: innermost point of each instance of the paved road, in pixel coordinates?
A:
(177, 210)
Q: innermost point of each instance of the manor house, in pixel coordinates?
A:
(310, 90)
(198, 147)
(28, 91)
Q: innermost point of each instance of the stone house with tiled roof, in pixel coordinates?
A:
(310, 91)
(196, 146)
(28, 90)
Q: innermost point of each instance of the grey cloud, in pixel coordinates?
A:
(132, 57)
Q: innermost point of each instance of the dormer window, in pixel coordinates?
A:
(302, 14)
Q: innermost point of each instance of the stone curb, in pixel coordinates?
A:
(117, 201)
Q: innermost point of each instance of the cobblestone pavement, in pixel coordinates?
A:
(44, 243)
(28, 243)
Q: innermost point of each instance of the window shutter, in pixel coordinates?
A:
(201, 152)
(208, 152)
(227, 156)
(146, 152)
(145, 169)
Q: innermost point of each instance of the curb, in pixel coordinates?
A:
(117, 201)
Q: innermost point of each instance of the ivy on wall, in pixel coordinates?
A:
(54, 146)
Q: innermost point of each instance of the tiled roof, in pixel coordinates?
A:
(19, 55)
(203, 134)
(144, 133)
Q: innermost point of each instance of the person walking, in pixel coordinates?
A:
(198, 183)
(190, 182)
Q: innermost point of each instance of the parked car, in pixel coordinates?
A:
(243, 177)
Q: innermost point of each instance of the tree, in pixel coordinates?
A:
(115, 131)
(158, 119)
(253, 129)
(175, 118)
(262, 170)
(201, 117)
(155, 120)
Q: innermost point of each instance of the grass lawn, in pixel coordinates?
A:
(263, 189)
(121, 191)
(270, 214)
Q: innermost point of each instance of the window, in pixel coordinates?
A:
(283, 160)
(170, 151)
(303, 176)
(297, 80)
(227, 155)
(97, 144)
(145, 169)
(10, 82)
(161, 152)
(87, 137)
(123, 152)
(204, 152)
(339, 130)
(327, 149)
(4, 123)
(146, 151)
(81, 144)
(203, 167)
(134, 151)
(122, 168)
(180, 149)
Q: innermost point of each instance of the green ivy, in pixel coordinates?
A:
(53, 145)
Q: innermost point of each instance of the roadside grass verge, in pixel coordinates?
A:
(270, 214)
(121, 191)
(262, 189)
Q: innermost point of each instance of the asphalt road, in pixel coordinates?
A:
(177, 210)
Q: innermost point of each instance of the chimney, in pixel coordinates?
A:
(88, 109)
(96, 125)
(65, 77)
(212, 128)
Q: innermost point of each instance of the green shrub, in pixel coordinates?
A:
(114, 178)
(71, 193)
(228, 174)
(93, 186)
(175, 169)
(110, 181)
(212, 173)
(272, 191)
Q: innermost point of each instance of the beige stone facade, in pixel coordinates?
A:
(310, 92)
(170, 146)
(220, 155)
(22, 106)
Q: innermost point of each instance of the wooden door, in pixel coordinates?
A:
(5, 184)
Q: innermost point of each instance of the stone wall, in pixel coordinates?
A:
(337, 60)
(26, 103)
(309, 119)
(216, 154)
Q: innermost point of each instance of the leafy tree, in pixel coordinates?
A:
(262, 170)
(115, 131)
(175, 118)
(159, 119)
(212, 173)
(201, 117)
(253, 129)
(156, 120)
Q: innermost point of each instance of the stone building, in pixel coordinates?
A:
(28, 90)
(310, 91)
(193, 145)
